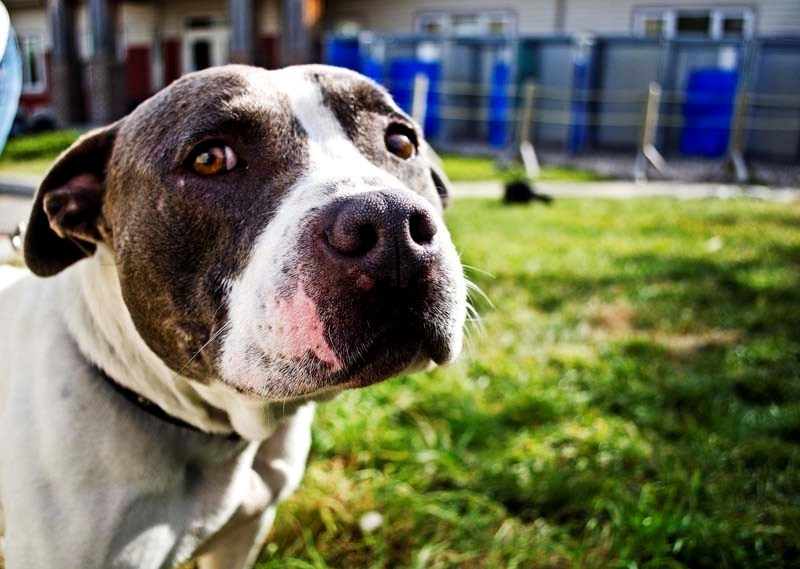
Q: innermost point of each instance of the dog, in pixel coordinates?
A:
(242, 245)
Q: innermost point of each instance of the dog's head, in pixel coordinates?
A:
(287, 222)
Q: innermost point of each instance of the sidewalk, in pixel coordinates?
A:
(627, 190)
(16, 192)
(13, 209)
(19, 184)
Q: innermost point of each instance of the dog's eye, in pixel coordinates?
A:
(213, 159)
(400, 142)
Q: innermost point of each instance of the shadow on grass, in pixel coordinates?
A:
(726, 412)
(669, 441)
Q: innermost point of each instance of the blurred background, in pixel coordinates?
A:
(630, 395)
(727, 73)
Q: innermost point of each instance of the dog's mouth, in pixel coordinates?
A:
(383, 352)
(389, 353)
(356, 356)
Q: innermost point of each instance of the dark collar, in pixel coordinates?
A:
(154, 410)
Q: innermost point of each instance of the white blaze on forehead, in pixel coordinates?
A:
(331, 153)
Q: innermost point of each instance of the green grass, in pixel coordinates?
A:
(634, 402)
(40, 146)
(34, 154)
(471, 169)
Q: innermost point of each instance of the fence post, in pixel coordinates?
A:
(525, 130)
(419, 101)
(735, 152)
(648, 153)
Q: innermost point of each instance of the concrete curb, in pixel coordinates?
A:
(19, 184)
(629, 190)
(25, 186)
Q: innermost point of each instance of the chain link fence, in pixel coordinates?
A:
(592, 92)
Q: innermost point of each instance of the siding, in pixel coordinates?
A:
(772, 16)
(533, 16)
(539, 16)
(32, 22)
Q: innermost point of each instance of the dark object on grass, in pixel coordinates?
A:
(521, 191)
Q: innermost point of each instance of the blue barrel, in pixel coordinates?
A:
(707, 112)
(343, 52)
(499, 104)
(402, 72)
(579, 107)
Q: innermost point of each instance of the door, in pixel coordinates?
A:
(204, 48)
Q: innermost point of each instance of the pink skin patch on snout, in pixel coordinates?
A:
(300, 330)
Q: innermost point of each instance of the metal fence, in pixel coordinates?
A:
(591, 92)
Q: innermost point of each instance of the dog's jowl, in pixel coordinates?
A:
(243, 244)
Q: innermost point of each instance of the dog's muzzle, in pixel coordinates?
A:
(374, 264)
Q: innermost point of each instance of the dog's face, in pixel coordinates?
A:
(286, 222)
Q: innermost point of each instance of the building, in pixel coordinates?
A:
(703, 18)
(93, 60)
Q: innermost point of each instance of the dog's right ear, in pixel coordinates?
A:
(66, 219)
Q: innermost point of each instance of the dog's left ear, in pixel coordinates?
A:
(66, 219)
(440, 179)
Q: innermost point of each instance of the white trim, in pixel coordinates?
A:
(484, 19)
(26, 39)
(218, 39)
(717, 15)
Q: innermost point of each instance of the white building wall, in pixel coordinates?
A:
(616, 16)
(533, 16)
(32, 22)
(539, 16)
(175, 13)
(138, 24)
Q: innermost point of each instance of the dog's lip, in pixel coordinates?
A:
(367, 381)
(374, 372)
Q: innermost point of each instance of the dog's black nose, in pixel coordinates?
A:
(384, 234)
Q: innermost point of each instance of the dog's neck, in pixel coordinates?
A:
(99, 321)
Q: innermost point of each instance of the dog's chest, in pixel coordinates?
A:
(159, 530)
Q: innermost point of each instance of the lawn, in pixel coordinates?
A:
(34, 154)
(634, 401)
(476, 168)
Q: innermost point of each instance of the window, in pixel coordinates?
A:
(33, 68)
(489, 23)
(466, 25)
(654, 27)
(432, 23)
(693, 24)
(715, 23)
(736, 26)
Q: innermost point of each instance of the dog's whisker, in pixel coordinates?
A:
(473, 289)
(203, 347)
(80, 246)
(476, 324)
(477, 270)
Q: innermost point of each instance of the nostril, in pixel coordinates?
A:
(367, 238)
(422, 228)
(353, 240)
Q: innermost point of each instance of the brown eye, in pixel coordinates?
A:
(400, 145)
(214, 160)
